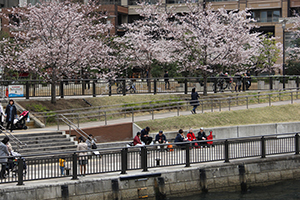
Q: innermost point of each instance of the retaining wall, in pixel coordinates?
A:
(165, 182)
(244, 130)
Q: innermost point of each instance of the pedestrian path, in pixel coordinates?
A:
(150, 117)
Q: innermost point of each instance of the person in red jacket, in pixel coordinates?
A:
(210, 137)
(191, 135)
(136, 140)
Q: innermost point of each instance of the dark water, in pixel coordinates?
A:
(288, 190)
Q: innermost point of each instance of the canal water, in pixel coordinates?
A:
(288, 190)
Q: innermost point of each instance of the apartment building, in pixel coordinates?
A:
(116, 13)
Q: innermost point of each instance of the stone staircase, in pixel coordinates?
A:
(43, 142)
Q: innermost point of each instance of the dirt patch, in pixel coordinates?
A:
(61, 104)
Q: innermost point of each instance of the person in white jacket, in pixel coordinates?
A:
(2, 114)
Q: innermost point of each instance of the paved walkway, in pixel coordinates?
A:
(149, 117)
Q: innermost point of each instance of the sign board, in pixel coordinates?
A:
(15, 91)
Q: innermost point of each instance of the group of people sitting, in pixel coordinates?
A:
(160, 138)
(144, 137)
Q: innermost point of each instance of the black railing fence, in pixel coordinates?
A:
(94, 87)
(46, 166)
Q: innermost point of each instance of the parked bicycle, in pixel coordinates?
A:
(130, 87)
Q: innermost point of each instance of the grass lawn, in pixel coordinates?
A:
(273, 114)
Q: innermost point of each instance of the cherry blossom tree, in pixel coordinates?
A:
(269, 53)
(208, 37)
(149, 38)
(57, 40)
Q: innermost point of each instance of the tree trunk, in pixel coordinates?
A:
(53, 92)
(149, 80)
(205, 85)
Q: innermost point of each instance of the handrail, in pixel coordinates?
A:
(75, 128)
(175, 104)
(13, 138)
(149, 105)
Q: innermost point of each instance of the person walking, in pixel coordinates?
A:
(10, 113)
(194, 102)
(3, 152)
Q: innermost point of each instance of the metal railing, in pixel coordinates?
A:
(94, 87)
(73, 126)
(153, 108)
(46, 166)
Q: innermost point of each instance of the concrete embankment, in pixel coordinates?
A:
(159, 183)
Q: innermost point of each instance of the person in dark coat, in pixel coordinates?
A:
(160, 138)
(194, 102)
(180, 138)
(202, 136)
(145, 136)
(10, 113)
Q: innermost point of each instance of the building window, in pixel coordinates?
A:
(266, 15)
(134, 2)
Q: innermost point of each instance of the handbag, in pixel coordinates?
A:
(94, 146)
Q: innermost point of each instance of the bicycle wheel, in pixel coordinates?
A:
(119, 90)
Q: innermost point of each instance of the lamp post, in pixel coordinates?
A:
(283, 54)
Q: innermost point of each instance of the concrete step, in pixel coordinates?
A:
(41, 145)
(37, 150)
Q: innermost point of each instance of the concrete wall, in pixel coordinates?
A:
(109, 133)
(244, 131)
(173, 181)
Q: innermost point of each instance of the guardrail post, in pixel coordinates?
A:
(271, 83)
(283, 82)
(229, 101)
(244, 84)
(263, 147)
(144, 159)
(82, 86)
(185, 86)
(212, 106)
(152, 111)
(226, 150)
(177, 109)
(292, 98)
(247, 102)
(27, 90)
(215, 85)
(61, 89)
(155, 86)
(124, 152)
(297, 143)
(109, 88)
(132, 114)
(220, 106)
(187, 155)
(57, 121)
(269, 100)
(74, 176)
(20, 171)
(94, 89)
(124, 87)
